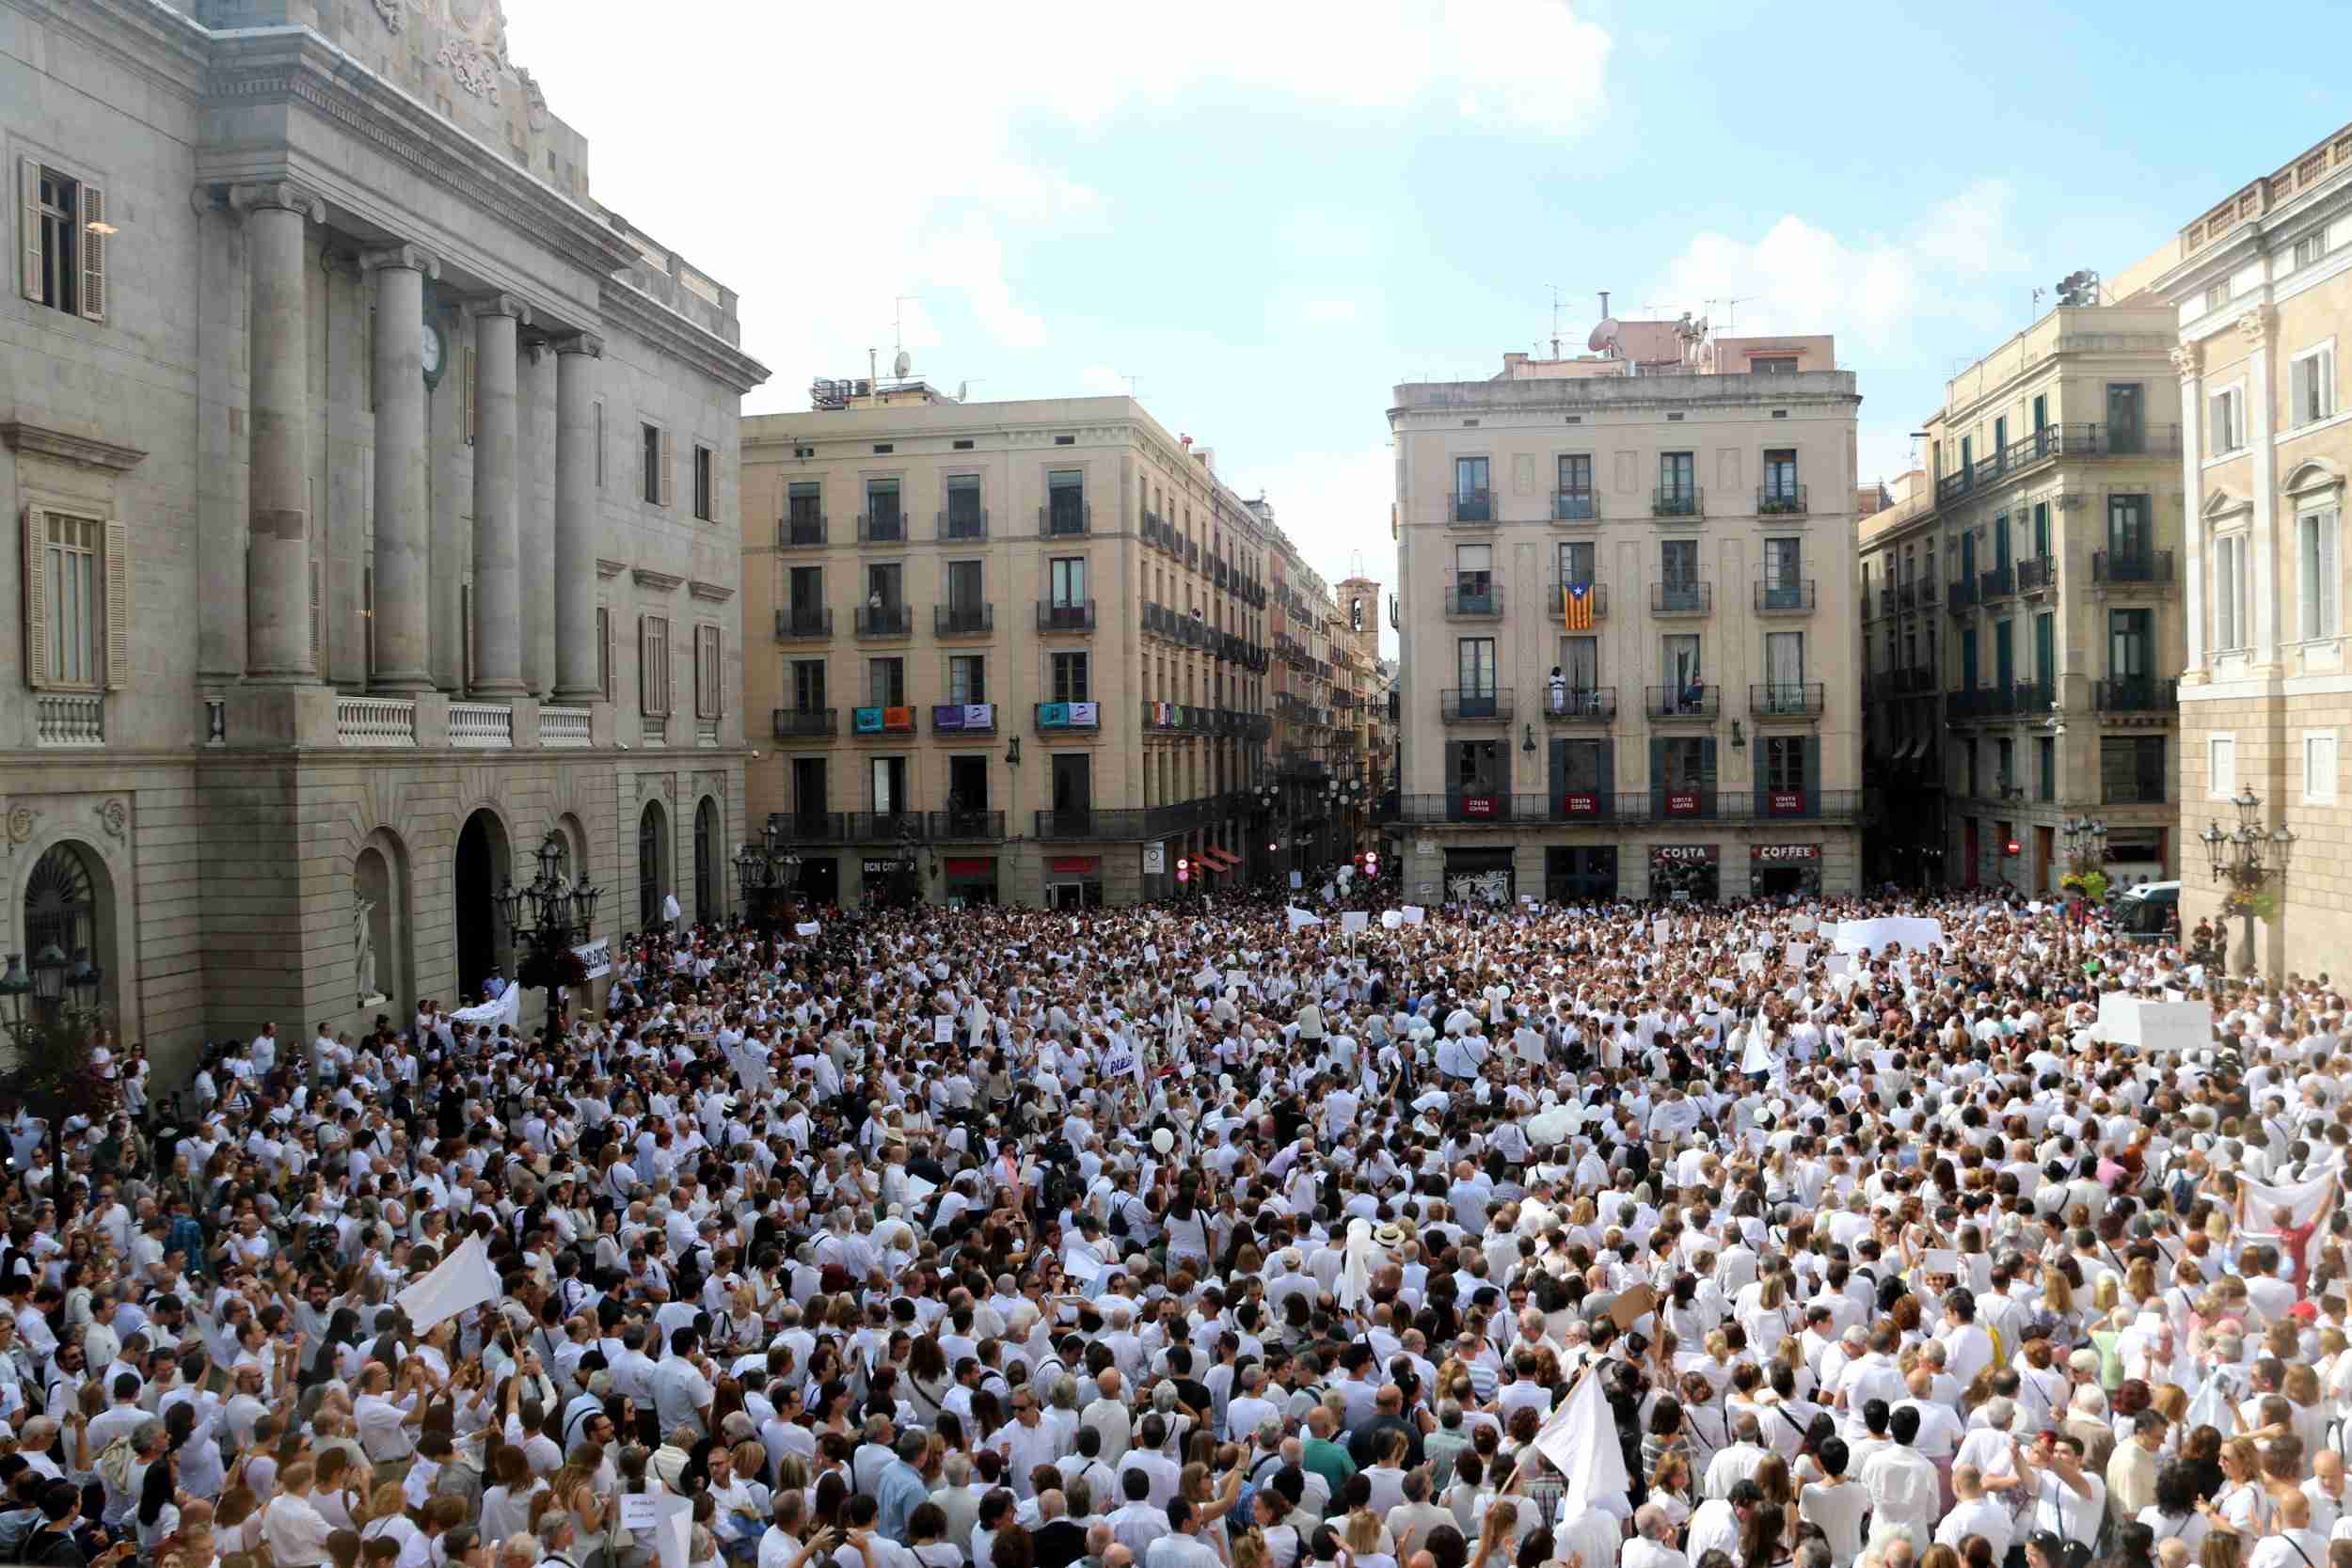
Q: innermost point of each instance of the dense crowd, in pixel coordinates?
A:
(1193, 1235)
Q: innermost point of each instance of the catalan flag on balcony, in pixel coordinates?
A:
(1576, 606)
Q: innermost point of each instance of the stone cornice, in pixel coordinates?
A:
(610, 569)
(649, 318)
(711, 593)
(85, 450)
(660, 583)
(297, 66)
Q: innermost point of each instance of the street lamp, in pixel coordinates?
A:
(2249, 860)
(547, 919)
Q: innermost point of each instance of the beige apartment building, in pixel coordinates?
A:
(2022, 615)
(1024, 645)
(1628, 624)
(2261, 287)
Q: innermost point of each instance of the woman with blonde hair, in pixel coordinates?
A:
(2241, 1504)
(387, 1519)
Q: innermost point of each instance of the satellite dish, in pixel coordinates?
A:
(900, 366)
(1602, 334)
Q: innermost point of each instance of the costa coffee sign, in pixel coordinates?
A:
(1581, 805)
(1766, 853)
(1683, 802)
(1681, 854)
(1478, 805)
(1786, 802)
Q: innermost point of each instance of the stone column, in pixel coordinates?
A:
(224, 449)
(497, 605)
(403, 505)
(2262, 549)
(2189, 362)
(536, 434)
(278, 550)
(577, 376)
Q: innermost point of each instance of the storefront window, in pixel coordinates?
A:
(1685, 873)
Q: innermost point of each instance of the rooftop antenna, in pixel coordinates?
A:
(1130, 381)
(900, 363)
(1731, 309)
(1555, 320)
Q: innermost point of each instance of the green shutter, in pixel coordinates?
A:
(1657, 776)
(1559, 759)
(1812, 775)
(1706, 776)
(1609, 778)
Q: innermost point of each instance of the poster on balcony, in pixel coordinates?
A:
(979, 716)
(1787, 802)
(595, 958)
(865, 721)
(1082, 715)
(947, 718)
(1052, 716)
(1683, 802)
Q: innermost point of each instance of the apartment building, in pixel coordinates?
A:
(2261, 290)
(2023, 628)
(370, 470)
(1024, 645)
(1626, 621)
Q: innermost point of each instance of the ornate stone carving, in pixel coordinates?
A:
(113, 815)
(2255, 325)
(535, 99)
(471, 66)
(21, 820)
(393, 13)
(2189, 362)
(278, 193)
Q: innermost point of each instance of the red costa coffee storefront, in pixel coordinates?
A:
(1778, 869)
(1686, 872)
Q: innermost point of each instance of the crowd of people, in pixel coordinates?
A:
(1197, 1236)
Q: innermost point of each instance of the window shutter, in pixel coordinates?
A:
(1608, 780)
(1812, 775)
(28, 214)
(1559, 760)
(718, 672)
(2327, 623)
(645, 666)
(604, 652)
(117, 592)
(1657, 775)
(667, 467)
(91, 245)
(2299, 390)
(1706, 763)
(36, 594)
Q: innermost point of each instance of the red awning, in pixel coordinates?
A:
(1075, 865)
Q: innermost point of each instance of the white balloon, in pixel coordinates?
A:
(1163, 1140)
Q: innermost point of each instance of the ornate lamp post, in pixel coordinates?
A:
(51, 1072)
(1342, 796)
(767, 872)
(547, 919)
(2249, 862)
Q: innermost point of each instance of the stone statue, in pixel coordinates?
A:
(363, 949)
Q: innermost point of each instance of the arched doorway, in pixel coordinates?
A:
(706, 860)
(482, 869)
(63, 908)
(652, 864)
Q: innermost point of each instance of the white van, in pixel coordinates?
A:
(2145, 914)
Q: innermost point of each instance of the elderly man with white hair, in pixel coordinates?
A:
(1652, 1545)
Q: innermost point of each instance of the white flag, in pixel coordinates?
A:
(462, 1280)
(1580, 1440)
(1300, 918)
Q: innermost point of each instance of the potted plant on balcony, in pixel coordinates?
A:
(2087, 886)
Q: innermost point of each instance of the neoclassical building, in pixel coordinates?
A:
(368, 473)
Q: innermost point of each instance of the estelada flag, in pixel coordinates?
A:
(1576, 606)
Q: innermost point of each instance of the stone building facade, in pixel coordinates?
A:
(2262, 288)
(369, 474)
(1627, 627)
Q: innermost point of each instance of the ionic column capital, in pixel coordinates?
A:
(281, 194)
(588, 344)
(481, 306)
(408, 258)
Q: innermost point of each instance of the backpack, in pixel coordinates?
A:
(115, 1463)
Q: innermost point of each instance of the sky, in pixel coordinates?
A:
(1259, 218)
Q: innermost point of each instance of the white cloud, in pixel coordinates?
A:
(1869, 290)
(823, 160)
(1327, 312)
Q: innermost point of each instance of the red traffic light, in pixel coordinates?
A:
(2011, 847)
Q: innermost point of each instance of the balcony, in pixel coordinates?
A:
(1473, 601)
(1575, 506)
(805, 723)
(962, 620)
(888, 619)
(1079, 617)
(1927, 591)
(803, 532)
(894, 719)
(2056, 441)
(1581, 704)
(882, 528)
(1661, 804)
(1913, 681)
(1678, 502)
(1595, 599)
(1783, 499)
(884, 827)
(2033, 698)
(1475, 707)
(1682, 598)
(2037, 574)
(1072, 519)
(1082, 823)
(803, 623)
(963, 825)
(1069, 717)
(1997, 583)
(959, 718)
(967, 524)
(1904, 597)
(1150, 529)
(2136, 694)
(358, 721)
(2015, 700)
(1471, 509)
(1784, 598)
(2131, 569)
(811, 826)
(1694, 701)
(1786, 699)
(1962, 595)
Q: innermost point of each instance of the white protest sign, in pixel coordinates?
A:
(942, 1030)
(1414, 914)
(807, 928)
(1802, 923)
(640, 1509)
(1751, 964)
(1353, 922)
(1391, 920)
(1798, 952)
(1913, 932)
